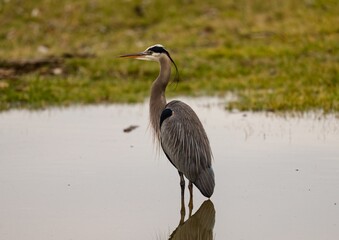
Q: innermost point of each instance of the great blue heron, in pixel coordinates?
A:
(178, 129)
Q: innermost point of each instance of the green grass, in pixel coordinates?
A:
(273, 55)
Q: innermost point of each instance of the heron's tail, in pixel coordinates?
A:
(205, 182)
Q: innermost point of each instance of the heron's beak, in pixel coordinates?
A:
(140, 55)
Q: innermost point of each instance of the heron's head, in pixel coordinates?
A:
(152, 53)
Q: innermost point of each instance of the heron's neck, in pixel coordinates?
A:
(158, 99)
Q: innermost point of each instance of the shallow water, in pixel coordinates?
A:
(75, 174)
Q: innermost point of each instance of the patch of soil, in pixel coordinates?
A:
(54, 65)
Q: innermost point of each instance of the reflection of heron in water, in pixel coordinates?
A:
(178, 129)
(198, 226)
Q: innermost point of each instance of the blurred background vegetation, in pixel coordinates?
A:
(269, 55)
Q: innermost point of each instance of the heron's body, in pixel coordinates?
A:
(178, 129)
(188, 139)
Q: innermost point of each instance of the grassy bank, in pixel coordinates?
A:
(274, 55)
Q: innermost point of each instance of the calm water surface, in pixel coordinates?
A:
(74, 174)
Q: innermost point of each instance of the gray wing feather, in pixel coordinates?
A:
(185, 142)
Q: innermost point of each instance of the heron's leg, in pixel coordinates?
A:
(183, 210)
(182, 184)
(190, 204)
